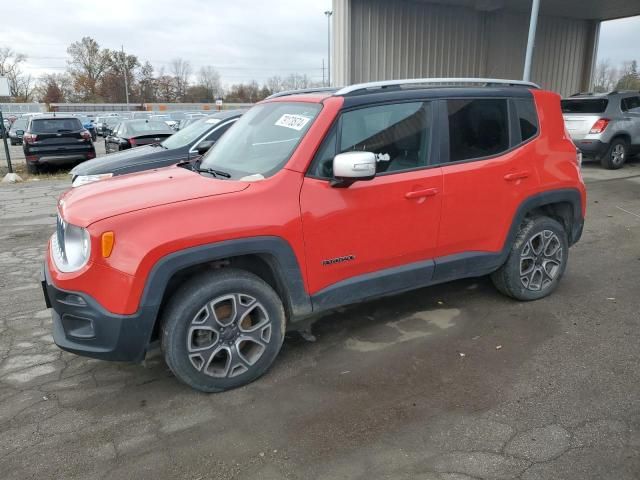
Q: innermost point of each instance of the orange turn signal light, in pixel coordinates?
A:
(108, 240)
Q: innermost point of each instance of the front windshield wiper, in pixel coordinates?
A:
(212, 171)
(159, 145)
(195, 167)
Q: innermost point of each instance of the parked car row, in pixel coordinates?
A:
(183, 146)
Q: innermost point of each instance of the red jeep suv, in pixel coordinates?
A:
(311, 201)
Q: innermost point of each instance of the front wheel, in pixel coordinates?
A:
(537, 260)
(222, 330)
(616, 155)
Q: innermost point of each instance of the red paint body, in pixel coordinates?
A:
(465, 206)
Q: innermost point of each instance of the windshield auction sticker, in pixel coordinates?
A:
(295, 122)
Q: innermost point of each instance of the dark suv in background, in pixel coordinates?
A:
(56, 140)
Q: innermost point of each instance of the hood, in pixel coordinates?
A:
(87, 204)
(115, 161)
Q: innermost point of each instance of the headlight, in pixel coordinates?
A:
(70, 246)
(84, 179)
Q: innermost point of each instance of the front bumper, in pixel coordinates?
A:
(82, 326)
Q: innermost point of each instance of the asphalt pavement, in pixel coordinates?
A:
(454, 382)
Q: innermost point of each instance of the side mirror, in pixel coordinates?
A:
(204, 147)
(19, 132)
(351, 166)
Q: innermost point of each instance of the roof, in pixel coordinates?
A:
(579, 9)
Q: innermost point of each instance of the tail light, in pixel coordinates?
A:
(599, 126)
(29, 137)
(132, 141)
(85, 134)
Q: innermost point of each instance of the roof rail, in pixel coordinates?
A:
(434, 82)
(286, 93)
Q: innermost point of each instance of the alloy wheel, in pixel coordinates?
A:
(618, 154)
(228, 335)
(541, 260)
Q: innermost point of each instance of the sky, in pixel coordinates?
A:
(242, 39)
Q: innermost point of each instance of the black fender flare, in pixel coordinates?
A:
(282, 261)
(566, 195)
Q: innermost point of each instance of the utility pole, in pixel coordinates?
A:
(531, 40)
(324, 83)
(124, 71)
(328, 13)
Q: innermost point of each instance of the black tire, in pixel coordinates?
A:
(545, 272)
(219, 356)
(13, 143)
(616, 155)
(33, 168)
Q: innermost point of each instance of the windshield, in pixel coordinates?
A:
(20, 124)
(596, 105)
(144, 126)
(261, 142)
(190, 134)
(55, 125)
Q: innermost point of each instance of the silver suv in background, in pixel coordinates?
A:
(604, 126)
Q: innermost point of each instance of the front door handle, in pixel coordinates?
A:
(428, 192)
(511, 177)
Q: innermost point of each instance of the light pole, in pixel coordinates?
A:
(328, 13)
(124, 71)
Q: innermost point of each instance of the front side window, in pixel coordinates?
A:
(478, 128)
(262, 141)
(399, 134)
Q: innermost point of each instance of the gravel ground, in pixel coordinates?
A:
(453, 382)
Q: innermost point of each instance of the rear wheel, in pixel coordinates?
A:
(616, 155)
(222, 330)
(537, 260)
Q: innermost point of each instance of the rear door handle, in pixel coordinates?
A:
(428, 192)
(511, 177)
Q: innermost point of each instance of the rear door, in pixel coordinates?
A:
(373, 225)
(484, 177)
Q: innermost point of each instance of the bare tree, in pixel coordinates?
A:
(10, 62)
(87, 65)
(209, 79)
(181, 71)
(275, 84)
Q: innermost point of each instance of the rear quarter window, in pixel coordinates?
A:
(527, 118)
(591, 105)
(55, 125)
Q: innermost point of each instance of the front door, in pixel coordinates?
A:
(387, 222)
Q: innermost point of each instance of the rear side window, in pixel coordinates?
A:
(630, 103)
(527, 118)
(590, 105)
(55, 125)
(477, 128)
